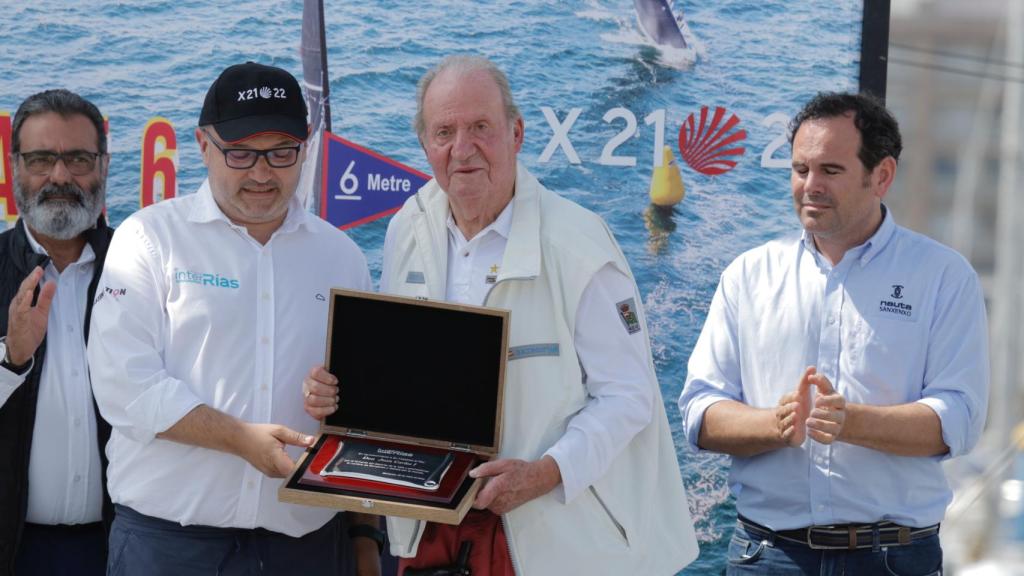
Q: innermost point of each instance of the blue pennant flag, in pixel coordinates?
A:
(360, 185)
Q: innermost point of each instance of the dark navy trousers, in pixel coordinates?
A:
(141, 544)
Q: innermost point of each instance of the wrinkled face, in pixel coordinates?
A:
(835, 197)
(256, 195)
(59, 204)
(470, 143)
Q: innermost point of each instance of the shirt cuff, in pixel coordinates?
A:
(159, 407)
(693, 417)
(9, 381)
(953, 420)
(568, 489)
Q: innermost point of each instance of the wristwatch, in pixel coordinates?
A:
(6, 362)
(367, 531)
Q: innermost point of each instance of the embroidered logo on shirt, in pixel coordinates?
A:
(897, 291)
(627, 313)
(204, 279)
(415, 277)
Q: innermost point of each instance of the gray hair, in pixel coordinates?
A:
(63, 102)
(462, 64)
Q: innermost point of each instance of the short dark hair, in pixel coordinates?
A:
(63, 102)
(879, 131)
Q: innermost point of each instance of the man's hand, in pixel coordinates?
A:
(262, 445)
(26, 324)
(320, 389)
(826, 420)
(793, 410)
(514, 482)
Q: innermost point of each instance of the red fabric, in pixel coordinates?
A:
(440, 546)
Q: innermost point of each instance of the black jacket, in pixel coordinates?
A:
(18, 414)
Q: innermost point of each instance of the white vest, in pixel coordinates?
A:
(635, 519)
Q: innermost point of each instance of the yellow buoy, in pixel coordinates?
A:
(666, 183)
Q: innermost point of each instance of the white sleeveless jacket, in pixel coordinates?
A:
(634, 520)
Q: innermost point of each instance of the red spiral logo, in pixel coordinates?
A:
(705, 147)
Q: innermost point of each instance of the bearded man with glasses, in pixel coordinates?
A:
(52, 497)
(212, 307)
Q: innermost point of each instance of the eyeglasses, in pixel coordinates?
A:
(78, 162)
(245, 158)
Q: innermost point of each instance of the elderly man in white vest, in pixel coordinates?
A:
(587, 479)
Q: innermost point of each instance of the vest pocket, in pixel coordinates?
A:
(618, 525)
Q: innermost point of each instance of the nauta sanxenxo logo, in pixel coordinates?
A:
(204, 279)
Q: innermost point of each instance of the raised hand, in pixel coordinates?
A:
(26, 324)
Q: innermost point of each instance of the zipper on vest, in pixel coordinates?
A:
(502, 281)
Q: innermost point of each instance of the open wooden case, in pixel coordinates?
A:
(415, 376)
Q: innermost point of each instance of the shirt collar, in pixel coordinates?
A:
(502, 225)
(869, 249)
(87, 254)
(206, 210)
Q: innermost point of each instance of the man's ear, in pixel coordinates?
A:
(204, 145)
(883, 176)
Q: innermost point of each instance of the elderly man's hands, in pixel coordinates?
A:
(512, 483)
(796, 419)
(320, 389)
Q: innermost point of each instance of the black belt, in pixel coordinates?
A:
(845, 536)
(65, 528)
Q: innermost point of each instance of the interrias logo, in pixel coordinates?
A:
(204, 279)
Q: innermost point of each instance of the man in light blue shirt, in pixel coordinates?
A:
(839, 367)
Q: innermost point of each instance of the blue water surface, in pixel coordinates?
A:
(149, 58)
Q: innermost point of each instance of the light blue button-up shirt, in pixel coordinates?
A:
(899, 319)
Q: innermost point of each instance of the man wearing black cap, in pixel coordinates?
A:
(210, 309)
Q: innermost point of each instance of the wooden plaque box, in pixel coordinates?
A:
(414, 375)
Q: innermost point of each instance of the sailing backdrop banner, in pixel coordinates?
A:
(670, 121)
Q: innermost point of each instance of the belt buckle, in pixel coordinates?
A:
(810, 540)
(812, 545)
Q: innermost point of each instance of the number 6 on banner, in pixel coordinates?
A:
(349, 184)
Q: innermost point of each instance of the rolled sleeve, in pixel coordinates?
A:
(713, 371)
(956, 381)
(955, 419)
(133, 390)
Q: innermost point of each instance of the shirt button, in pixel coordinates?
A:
(74, 372)
(250, 484)
(831, 319)
(265, 340)
(77, 478)
(266, 296)
(465, 254)
(71, 328)
(78, 422)
(263, 387)
(821, 507)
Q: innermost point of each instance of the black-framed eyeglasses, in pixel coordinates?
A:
(78, 162)
(245, 158)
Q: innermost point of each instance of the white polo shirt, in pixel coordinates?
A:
(192, 310)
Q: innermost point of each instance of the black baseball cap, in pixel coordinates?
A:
(250, 99)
